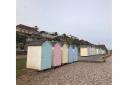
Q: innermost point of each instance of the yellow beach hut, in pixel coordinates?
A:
(84, 50)
(64, 54)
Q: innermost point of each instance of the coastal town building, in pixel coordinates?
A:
(27, 29)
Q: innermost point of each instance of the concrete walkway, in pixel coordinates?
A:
(95, 58)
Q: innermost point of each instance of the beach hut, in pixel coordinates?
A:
(39, 55)
(75, 50)
(64, 54)
(104, 52)
(90, 51)
(100, 50)
(93, 53)
(93, 50)
(84, 50)
(70, 52)
(97, 51)
(56, 58)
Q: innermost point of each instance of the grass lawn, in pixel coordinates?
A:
(20, 66)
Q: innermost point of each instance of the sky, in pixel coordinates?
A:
(90, 20)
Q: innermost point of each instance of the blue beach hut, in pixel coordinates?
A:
(70, 52)
(46, 58)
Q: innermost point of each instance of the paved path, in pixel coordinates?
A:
(79, 73)
(95, 58)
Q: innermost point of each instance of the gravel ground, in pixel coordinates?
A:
(78, 73)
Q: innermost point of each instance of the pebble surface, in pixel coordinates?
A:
(78, 73)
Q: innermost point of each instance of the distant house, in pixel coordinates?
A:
(27, 29)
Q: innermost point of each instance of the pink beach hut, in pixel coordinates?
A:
(56, 58)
